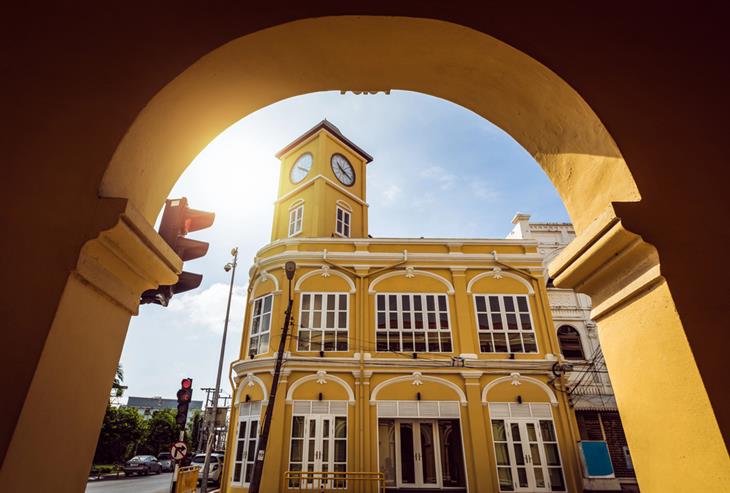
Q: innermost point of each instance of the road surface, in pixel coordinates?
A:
(136, 484)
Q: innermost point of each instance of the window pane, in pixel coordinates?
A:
(237, 473)
(317, 301)
(267, 303)
(509, 304)
(303, 344)
(556, 479)
(515, 343)
(446, 342)
(382, 341)
(496, 322)
(547, 431)
(500, 343)
(442, 303)
(330, 320)
(381, 302)
(498, 431)
(417, 303)
(405, 302)
(266, 321)
(494, 303)
(522, 303)
(343, 302)
(297, 446)
(483, 323)
(481, 304)
(305, 302)
(392, 303)
(485, 343)
(430, 303)
(340, 427)
(551, 454)
(525, 321)
(529, 340)
(340, 450)
(505, 479)
(444, 320)
(433, 342)
(329, 340)
(512, 322)
(381, 320)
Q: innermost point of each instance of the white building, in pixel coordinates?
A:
(589, 387)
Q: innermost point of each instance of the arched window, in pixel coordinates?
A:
(570, 345)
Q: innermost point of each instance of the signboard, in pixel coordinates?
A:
(221, 415)
(596, 459)
(179, 450)
(187, 480)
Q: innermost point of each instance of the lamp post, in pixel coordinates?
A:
(290, 268)
(229, 267)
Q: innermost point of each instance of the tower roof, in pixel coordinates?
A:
(324, 124)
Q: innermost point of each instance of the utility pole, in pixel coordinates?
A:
(258, 467)
(228, 267)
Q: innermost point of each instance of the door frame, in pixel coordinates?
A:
(418, 449)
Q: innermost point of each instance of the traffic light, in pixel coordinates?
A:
(183, 401)
(177, 221)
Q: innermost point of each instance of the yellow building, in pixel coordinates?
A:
(428, 360)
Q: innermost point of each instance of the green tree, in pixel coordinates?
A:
(120, 431)
(161, 431)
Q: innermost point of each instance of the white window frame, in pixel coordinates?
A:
(412, 315)
(260, 349)
(296, 218)
(503, 314)
(318, 412)
(343, 226)
(322, 326)
(249, 412)
(527, 414)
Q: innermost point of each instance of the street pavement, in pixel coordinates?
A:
(136, 484)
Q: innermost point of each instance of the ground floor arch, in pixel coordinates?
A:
(634, 300)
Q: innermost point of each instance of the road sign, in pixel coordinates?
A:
(178, 450)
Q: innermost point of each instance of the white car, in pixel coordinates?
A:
(215, 467)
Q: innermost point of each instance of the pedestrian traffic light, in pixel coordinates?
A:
(184, 395)
(177, 221)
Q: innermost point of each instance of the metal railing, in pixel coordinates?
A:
(335, 482)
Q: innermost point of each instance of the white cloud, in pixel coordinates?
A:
(445, 180)
(481, 190)
(391, 194)
(207, 308)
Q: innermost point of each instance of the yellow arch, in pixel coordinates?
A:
(540, 110)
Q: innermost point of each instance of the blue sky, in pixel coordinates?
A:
(439, 171)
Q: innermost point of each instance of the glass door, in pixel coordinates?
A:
(417, 451)
(527, 455)
(318, 444)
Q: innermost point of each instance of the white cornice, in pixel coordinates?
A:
(385, 365)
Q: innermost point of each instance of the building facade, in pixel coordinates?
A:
(587, 385)
(146, 406)
(429, 360)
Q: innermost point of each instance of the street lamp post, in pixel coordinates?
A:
(230, 266)
(290, 268)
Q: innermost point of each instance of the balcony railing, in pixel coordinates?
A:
(335, 482)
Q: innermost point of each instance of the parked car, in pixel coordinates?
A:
(214, 469)
(142, 464)
(165, 460)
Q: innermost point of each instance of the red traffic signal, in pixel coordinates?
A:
(178, 220)
(184, 395)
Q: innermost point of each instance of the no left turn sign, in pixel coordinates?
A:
(178, 450)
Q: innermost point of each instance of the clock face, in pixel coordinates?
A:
(343, 169)
(301, 168)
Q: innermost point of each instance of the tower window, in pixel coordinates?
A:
(570, 344)
(295, 220)
(343, 222)
(504, 324)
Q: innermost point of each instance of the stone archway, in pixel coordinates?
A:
(616, 267)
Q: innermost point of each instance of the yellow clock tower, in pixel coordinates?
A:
(321, 187)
